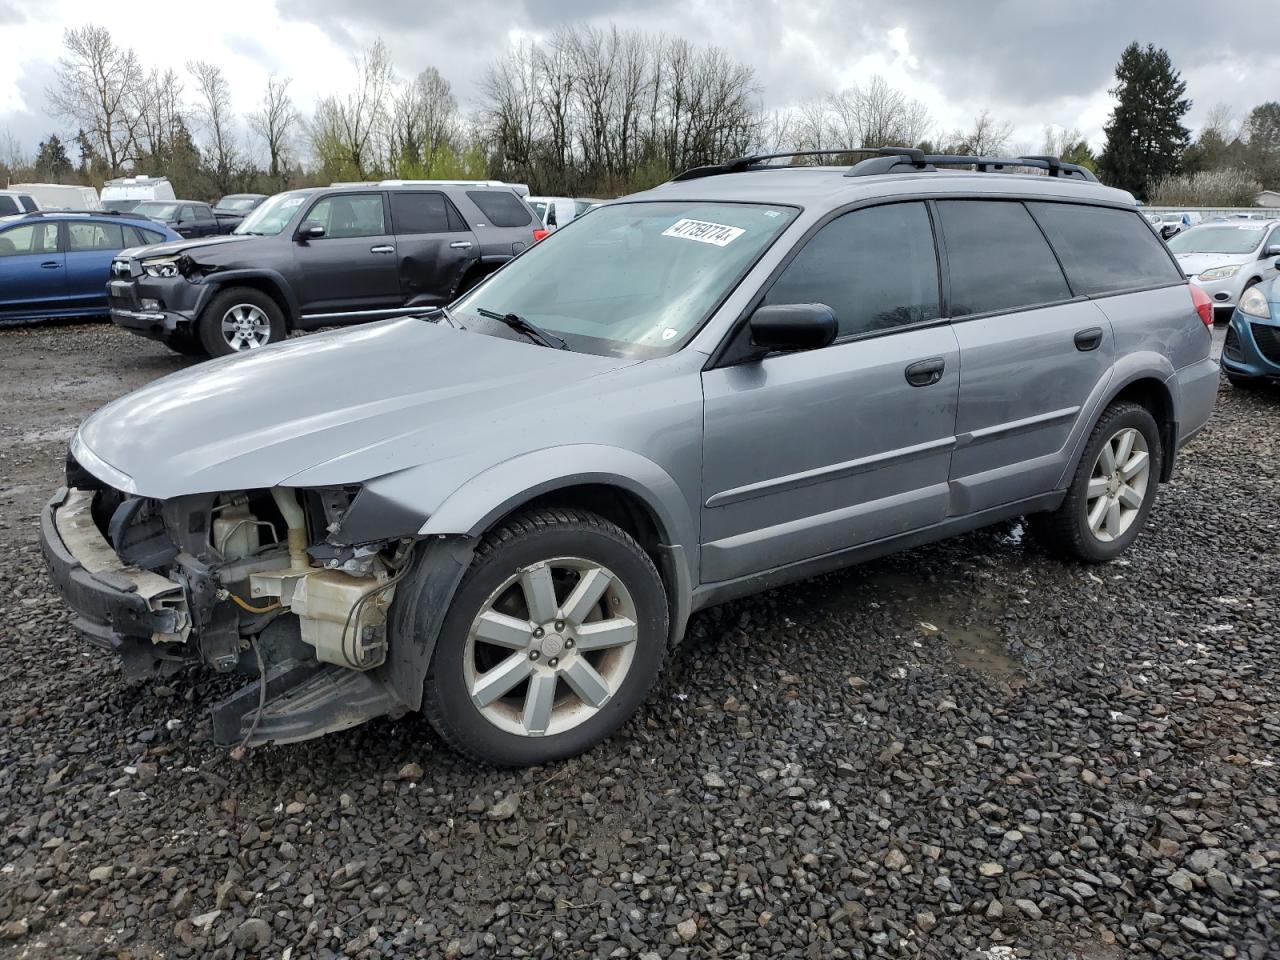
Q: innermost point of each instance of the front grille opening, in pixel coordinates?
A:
(1231, 346)
(1268, 341)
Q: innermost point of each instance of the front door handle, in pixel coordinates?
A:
(1090, 339)
(382, 248)
(461, 245)
(50, 265)
(925, 373)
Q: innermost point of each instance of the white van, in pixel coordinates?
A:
(15, 201)
(60, 196)
(124, 193)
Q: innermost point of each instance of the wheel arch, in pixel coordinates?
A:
(1153, 394)
(264, 281)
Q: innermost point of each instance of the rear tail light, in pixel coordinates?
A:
(1204, 306)
(540, 234)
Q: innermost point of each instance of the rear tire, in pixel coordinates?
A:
(240, 320)
(1113, 488)
(521, 677)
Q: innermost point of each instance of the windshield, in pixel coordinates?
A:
(635, 279)
(1218, 239)
(273, 215)
(156, 210)
(236, 204)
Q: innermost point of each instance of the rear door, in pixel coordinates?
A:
(351, 271)
(810, 453)
(90, 246)
(32, 269)
(1032, 353)
(434, 247)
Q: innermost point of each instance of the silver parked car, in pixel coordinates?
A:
(504, 512)
(1227, 257)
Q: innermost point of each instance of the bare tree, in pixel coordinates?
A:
(214, 111)
(97, 86)
(347, 132)
(163, 120)
(275, 123)
(987, 137)
(421, 122)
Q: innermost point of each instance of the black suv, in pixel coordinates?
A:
(320, 257)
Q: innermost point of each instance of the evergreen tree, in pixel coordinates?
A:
(52, 161)
(1145, 138)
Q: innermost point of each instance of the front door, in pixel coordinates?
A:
(32, 269)
(351, 270)
(434, 247)
(1031, 356)
(807, 454)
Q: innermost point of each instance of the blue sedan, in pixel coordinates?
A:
(56, 264)
(1251, 352)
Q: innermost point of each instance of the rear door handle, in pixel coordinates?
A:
(925, 373)
(1090, 339)
(461, 245)
(50, 265)
(382, 248)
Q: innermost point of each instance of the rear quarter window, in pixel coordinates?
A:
(502, 207)
(1103, 249)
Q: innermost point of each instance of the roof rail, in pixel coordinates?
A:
(127, 214)
(756, 160)
(921, 162)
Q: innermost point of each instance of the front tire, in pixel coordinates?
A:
(553, 640)
(1113, 488)
(239, 320)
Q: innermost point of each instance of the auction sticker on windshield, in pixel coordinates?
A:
(704, 232)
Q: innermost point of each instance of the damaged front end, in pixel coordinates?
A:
(257, 582)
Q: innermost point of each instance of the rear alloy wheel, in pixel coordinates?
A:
(1113, 488)
(240, 320)
(552, 640)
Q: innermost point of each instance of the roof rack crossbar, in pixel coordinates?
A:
(757, 160)
(1053, 166)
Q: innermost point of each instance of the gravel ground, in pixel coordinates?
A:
(969, 750)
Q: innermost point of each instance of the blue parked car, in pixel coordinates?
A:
(1251, 352)
(56, 263)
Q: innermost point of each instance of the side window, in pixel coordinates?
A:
(502, 207)
(186, 214)
(876, 268)
(29, 203)
(8, 205)
(1104, 249)
(423, 213)
(203, 212)
(141, 237)
(998, 257)
(349, 215)
(94, 236)
(29, 238)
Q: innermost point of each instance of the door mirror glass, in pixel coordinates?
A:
(311, 231)
(793, 326)
(1273, 250)
(551, 214)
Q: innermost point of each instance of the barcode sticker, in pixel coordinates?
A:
(703, 231)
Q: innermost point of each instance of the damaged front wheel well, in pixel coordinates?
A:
(263, 285)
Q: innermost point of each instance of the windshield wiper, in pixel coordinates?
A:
(527, 327)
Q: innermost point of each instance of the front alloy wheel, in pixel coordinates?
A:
(551, 642)
(246, 327)
(537, 665)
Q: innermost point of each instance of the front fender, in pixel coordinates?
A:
(220, 279)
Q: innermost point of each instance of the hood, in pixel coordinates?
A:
(1193, 263)
(173, 247)
(367, 402)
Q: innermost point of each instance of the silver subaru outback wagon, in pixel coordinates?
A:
(503, 513)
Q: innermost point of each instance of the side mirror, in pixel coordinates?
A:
(551, 215)
(310, 231)
(1272, 251)
(793, 326)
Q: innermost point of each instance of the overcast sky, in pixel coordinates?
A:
(1029, 63)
